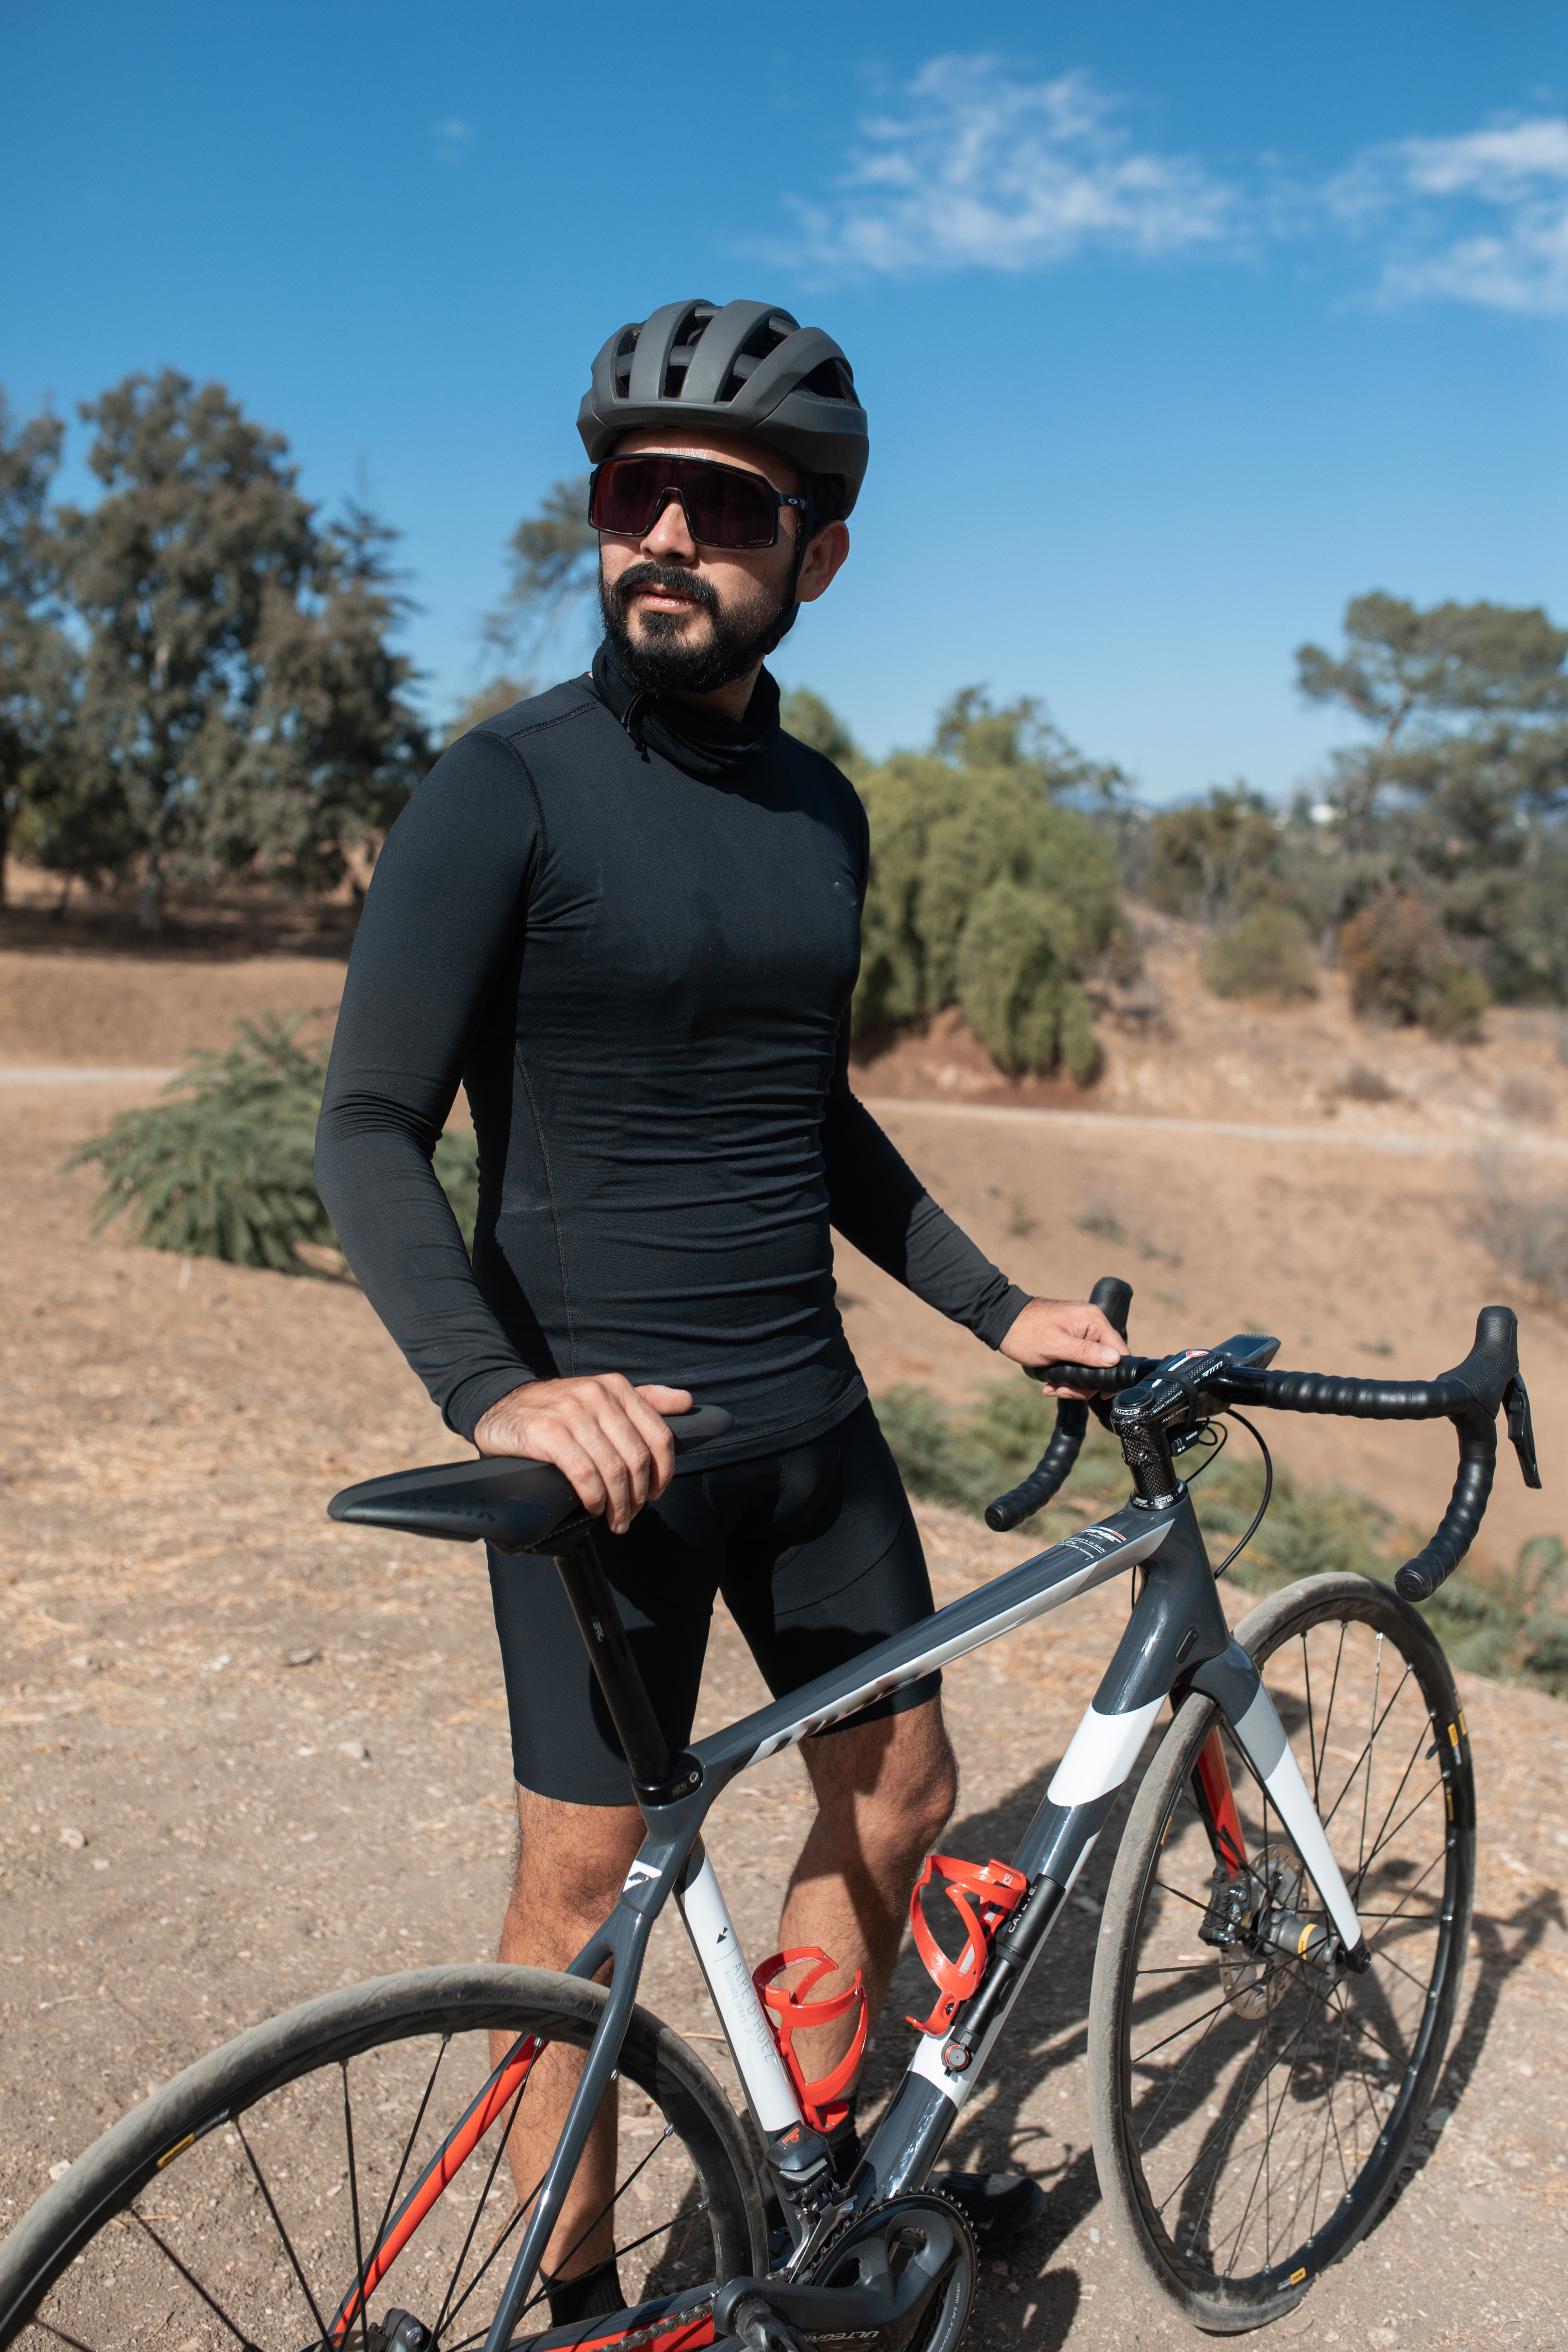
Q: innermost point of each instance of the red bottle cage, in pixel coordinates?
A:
(985, 1894)
(790, 2012)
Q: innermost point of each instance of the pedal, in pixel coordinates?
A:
(758, 2326)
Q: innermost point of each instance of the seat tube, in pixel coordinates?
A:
(625, 1694)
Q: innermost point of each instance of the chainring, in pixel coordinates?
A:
(939, 2322)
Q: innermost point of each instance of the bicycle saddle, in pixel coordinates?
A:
(516, 1506)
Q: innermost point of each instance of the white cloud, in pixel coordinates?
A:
(1480, 217)
(453, 138)
(977, 167)
(979, 170)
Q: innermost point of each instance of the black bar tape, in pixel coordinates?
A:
(1419, 1578)
(1054, 1465)
(1360, 1400)
(1114, 1300)
(1124, 1375)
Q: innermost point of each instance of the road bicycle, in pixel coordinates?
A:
(1277, 1967)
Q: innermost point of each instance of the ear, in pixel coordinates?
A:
(824, 558)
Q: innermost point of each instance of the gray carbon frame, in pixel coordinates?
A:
(1176, 1637)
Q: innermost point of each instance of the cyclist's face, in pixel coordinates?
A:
(742, 581)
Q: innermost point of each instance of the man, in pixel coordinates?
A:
(624, 916)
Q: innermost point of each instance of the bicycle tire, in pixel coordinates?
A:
(95, 2225)
(1179, 2111)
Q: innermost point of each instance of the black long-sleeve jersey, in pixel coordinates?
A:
(631, 933)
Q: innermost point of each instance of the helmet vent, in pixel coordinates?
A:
(765, 337)
(696, 319)
(831, 381)
(622, 364)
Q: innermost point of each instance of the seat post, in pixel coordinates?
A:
(625, 1694)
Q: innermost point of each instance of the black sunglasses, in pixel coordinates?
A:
(724, 505)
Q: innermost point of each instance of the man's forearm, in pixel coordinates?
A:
(878, 1203)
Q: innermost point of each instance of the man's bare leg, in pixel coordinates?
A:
(570, 1865)
(885, 1792)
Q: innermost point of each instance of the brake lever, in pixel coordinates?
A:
(1522, 1429)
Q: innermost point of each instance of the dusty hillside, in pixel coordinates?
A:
(1172, 1049)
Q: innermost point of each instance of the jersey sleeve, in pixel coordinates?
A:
(878, 1203)
(445, 906)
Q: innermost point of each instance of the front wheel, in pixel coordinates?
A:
(363, 2136)
(1251, 2110)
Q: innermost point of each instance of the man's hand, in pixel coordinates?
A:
(1064, 1330)
(606, 1436)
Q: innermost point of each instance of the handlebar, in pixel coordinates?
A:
(1114, 1300)
(1155, 1396)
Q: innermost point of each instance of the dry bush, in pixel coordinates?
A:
(1401, 966)
(1363, 1085)
(1523, 1097)
(1528, 1236)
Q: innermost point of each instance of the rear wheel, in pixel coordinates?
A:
(1251, 2110)
(240, 2207)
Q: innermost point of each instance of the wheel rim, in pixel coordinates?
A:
(257, 2225)
(1268, 2104)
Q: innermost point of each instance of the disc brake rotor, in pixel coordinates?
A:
(1254, 1983)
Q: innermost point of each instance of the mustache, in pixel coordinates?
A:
(668, 576)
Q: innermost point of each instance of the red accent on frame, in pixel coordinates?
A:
(437, 2175)
(687, 2338)
(821, 2103)
(1219, 1803)
(985, 1894)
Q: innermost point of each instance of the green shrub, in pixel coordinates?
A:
(1454, 1001)
(947, 829)
(1015, 982)
(1268, 952)
(965, 1460)
(226, 1171)
(1209, 857)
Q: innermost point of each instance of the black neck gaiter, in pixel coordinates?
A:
(705, 744)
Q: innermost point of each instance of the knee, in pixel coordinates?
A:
(572, 1862)
(930, 1799)
(914, 1796)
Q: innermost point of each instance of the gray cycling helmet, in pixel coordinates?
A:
(746, 368)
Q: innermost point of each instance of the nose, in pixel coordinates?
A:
(667, 539)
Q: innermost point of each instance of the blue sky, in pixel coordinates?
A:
(1177, 326)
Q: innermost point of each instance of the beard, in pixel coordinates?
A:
(672, 655)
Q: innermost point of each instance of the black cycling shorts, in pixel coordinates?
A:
(814, 1551)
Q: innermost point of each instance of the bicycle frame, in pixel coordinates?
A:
(1176, 1640)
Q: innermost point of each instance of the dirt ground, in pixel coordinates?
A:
(280, 1747)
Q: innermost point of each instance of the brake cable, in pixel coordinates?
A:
(1236, 1549)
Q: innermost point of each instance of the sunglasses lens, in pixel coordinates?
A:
(725, 507)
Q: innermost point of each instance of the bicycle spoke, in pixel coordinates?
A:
(448, 2309)
(61, 2336)
(193, 2282)
(1365, 1752)
(1425, 1798)
(408, 2145)
(288, 2242)
(353, 2195)
(1399, 1791)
